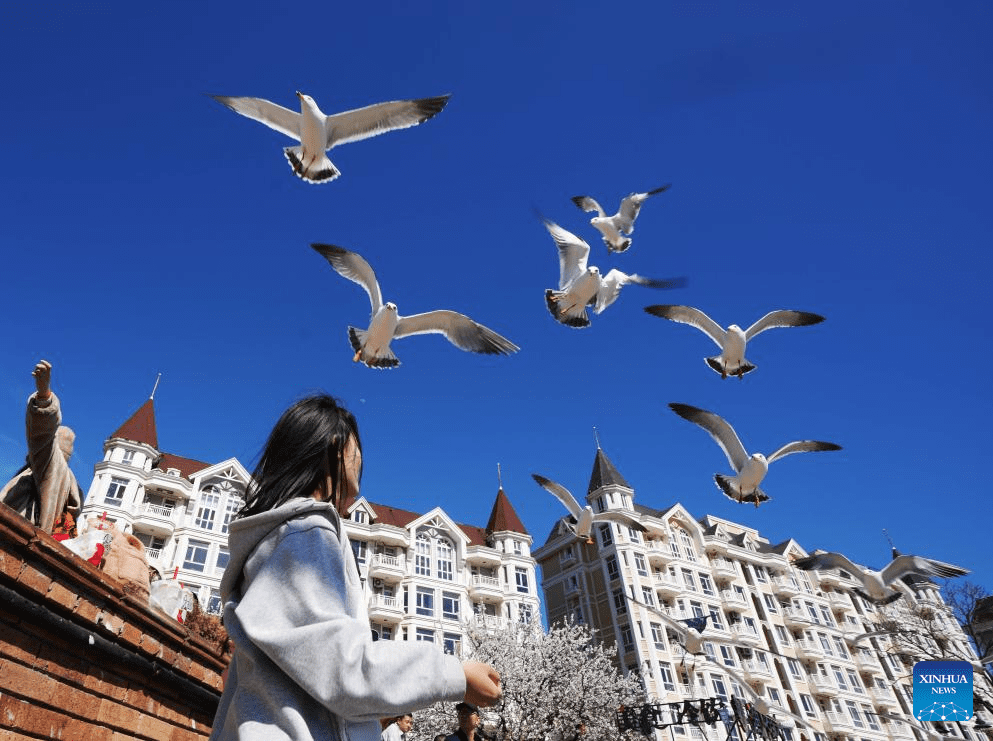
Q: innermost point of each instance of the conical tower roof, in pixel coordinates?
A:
(140, 426)
(604, 473)
(503, 518)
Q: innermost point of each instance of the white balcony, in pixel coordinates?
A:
(809, 650)
(723, 569)
(388, 568)
(757, 671)
(734, 600)
(823, 685)
(785, 586)
(481, 555)
(385, 609)
(839, 721)
(839, 601)
(883, 698)
(746, 634)
(485, 588)
(795, 617)
(830, 577)
(155, 519)
(665, 586)
(658, 552)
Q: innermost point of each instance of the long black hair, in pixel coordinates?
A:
(305, 447)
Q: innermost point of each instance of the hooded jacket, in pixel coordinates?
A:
(305, 665)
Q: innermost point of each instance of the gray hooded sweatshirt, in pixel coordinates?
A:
(305, 666)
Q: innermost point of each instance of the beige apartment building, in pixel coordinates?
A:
(788, 634)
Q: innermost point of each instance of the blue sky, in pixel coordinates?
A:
(833, 159)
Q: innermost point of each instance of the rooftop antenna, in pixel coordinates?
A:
(157, 379)
(596, 437)
(499, 477)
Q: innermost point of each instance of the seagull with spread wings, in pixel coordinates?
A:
(372, 345)
(732, 341)
(584, 516)
(614, 228)
(581, 285)
(749, 469)
(876, 585)
(318, 132)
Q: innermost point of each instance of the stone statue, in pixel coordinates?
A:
(45, 488)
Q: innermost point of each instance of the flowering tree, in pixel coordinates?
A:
(552, 683)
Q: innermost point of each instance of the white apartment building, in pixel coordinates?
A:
(788, 634)
(425, 574)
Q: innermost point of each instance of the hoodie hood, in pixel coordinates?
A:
(245, 534)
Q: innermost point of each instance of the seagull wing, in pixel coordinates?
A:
(903, 565)
(459, 329)
(573, 253)
(586, 203)
(723, 433)
(621, 518)
(829, 560)
(353, 266)
(631, 206)
(561, 493)
(362, 123)
(802, 446)
(615, 280)
(693, 317)
(678, 628)
(274, 116)
(783, 318)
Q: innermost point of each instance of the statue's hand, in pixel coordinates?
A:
(43, 378)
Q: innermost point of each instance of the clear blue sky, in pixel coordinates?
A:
(834, 159)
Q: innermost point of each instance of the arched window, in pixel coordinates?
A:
(434, 555)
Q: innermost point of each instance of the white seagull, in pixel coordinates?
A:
(372, 345)
(318, 132)
(585, 517)
(732, 341)
(581, 285)
(749, 469)
(876, 584)
(622, 223)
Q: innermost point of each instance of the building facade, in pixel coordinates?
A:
(789, 635)
(425, 573)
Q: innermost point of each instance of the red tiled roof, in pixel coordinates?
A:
(140, 426)
(187, 466)
(503, 518)
(387, 515)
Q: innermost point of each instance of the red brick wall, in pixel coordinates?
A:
(81, 660)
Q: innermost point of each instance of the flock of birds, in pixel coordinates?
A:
(581, 286)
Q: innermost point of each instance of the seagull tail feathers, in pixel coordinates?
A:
(731, 370)
(319, 170)
(619, 246)
(387, 360)
(575, 317)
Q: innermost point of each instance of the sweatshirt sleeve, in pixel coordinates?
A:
(296, 611)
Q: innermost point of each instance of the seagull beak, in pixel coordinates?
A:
(299, 94)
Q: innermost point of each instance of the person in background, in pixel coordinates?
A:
(470, 724)
(399, 728)
(304, 665)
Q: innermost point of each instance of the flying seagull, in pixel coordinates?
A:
(876, 584)
(581, 285)
(585, 518)
(372, 345)
(749, 469)
(622, 223)
(732, 341)
(318, 132)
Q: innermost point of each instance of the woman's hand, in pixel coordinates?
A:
(482, 683)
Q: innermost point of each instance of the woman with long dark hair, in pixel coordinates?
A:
(305, 665)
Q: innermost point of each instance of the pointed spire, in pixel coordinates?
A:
(604, 473)
(140, 426)
(503, 518)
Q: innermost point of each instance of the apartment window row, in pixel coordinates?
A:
(197, 552)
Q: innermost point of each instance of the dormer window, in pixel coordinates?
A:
(128, 458)
(359, 516)
(599, 504)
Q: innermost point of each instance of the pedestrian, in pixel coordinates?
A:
(399, 728)
(305, 666)
(469, 723)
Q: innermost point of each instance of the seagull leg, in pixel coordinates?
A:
(724, 373)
